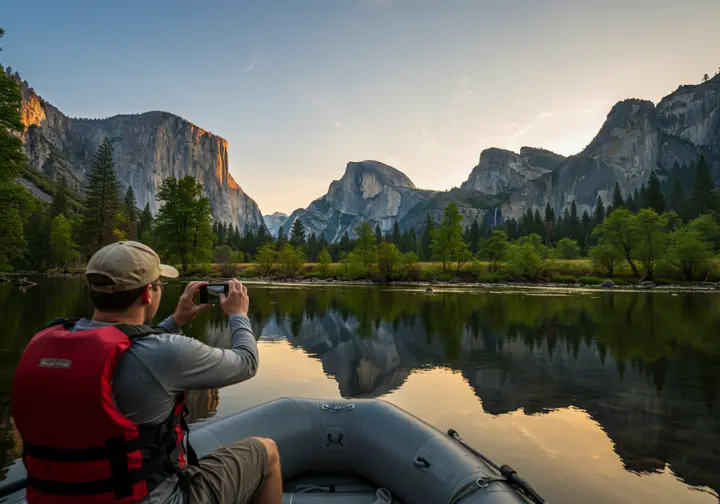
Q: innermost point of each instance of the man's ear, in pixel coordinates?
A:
(146, 295)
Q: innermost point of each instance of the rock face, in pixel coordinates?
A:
(368, 191)
(148, 148)
(274, 222)
(636, 139)
(503, 171)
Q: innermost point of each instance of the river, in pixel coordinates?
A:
(594, 397)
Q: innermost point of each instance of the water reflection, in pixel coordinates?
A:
(645, 367)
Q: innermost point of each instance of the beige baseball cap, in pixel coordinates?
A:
(125, 266)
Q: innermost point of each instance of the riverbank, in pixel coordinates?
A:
(454, 284)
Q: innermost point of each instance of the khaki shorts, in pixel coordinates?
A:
(231, 475)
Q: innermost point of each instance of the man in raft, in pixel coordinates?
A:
(100, 403)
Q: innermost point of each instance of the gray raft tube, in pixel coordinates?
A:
(366, 438)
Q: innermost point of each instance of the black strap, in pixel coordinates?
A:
(67, 323)
(139, 331)
(192, 458)
(89, 454)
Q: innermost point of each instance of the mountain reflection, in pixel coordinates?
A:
(645, 366)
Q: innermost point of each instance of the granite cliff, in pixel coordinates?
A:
(637, 138)
(274, 222)
(368, 191)
(148, 148)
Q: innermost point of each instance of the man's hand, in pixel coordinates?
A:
(187, 310)
(237, 301)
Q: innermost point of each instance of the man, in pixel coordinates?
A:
(100, 403)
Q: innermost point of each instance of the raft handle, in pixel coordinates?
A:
(421, 462)
(508, 472)
(327, 407)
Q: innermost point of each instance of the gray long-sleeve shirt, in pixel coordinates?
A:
(156, 368)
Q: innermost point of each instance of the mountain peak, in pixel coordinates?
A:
(385, 174)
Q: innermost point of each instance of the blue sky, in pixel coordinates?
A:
(301, 87)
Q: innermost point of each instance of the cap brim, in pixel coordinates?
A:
(168, 271)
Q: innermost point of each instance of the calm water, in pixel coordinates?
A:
(594, 397)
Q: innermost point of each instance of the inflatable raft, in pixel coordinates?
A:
(364, 451)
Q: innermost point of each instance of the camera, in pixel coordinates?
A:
(211, 293)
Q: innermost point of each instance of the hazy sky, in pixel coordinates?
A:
(301, 87)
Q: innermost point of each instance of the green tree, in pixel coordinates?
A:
(619, 229)
(495, 249)
(345, 243)
(573, 225)
(706, 78)
(568, 249)
(388, 259)
(145, 229)
(37, 231)
(378, 234)
(473, 236)
(447, 243)
(702, 194)
(412, 242)
(59, 203)
(617, 199)
(324, 259)
(549, 223)
(102, 215)
(396, 235)
(643, 201)
(606, 257)
(529, 257)
(12, 163)
(408, 263)
(291, 260)
(298, 234)
(130, 214)
(366, 248)
(266, 257)
(677, 201)
(652, 239)
(688, 252)
(184, 224)
(586, 231)
(62, 247)
(281, 238)
(312, 248)
(708, 228)
(599, 214)
(426, 242)
(656, 200)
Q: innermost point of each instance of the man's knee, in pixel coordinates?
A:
(272, 450)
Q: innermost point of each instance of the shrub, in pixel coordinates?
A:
(590, 280)
(564, 279)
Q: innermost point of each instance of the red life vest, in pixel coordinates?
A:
(77, 446)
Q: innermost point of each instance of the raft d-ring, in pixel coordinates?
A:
(327, 407)
(481, 482)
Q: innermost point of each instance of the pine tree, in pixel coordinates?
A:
(322, 243)
(281, 238)
(378, 234)
(573, 226)
(312, 248)
(102, 214)
(345, 243)
(473, 236)
(586, 226)
(550, 223)
(412, 243)
(130, 214)
(702, 195)
(426, 252)
(656, 200)
(678, 202)
(617, 199)
(643, 197)
(298, 235)
(630, 203)
(12, 163)
(59, 205)
(537, 226)
(145, 231)
(184, 222)
(396, 235)
(37, 232)
(599, 214)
